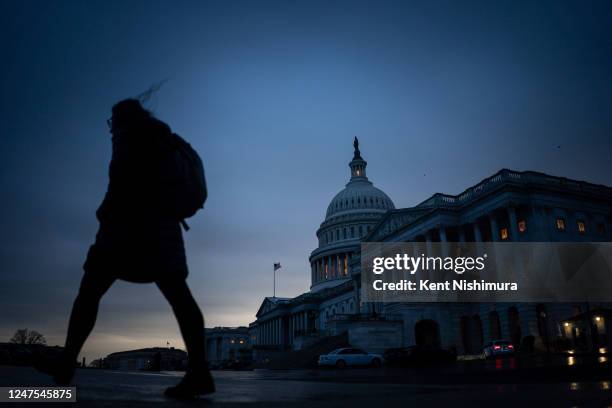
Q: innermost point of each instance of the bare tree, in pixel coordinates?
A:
(25, 336)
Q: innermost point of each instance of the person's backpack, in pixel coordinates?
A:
(185, 184)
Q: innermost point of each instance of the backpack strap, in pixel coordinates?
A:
(185, 225)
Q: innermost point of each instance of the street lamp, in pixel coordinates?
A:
(545, 323)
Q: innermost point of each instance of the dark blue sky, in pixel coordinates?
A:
(441, 93)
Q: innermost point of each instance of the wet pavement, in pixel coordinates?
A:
(320, 388)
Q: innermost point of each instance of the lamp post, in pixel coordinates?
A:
(545, 323)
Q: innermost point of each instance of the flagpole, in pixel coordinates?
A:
(276, 266)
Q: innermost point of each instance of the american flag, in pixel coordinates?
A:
(277, 265)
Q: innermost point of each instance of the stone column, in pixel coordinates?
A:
(494, 228)
(461, 234)
(428, 247)
(538, 227)
(264, 333)
(321, 270)
(477, 233)
(442, 233)
(443, 241)
(276, 331)
(514, 232)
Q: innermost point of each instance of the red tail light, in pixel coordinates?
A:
(496, 347)
(511, 347)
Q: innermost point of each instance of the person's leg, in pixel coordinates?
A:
(190, 320)
(82, 320)
(84, 312)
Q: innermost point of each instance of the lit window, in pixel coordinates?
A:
(232, 341)
(522, 226)
(241, 341)
(581, 227)
(560, 224)
(345, 265)
(503, 233)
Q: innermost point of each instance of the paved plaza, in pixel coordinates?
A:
(320, 388)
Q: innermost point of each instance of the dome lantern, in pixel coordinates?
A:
(358, 165)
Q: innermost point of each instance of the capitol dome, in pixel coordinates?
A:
(357, 196)
(350, 216)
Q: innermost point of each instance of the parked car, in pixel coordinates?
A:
(498, 348)
(343, 357)
(418, 355)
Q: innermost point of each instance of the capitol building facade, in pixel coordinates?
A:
(507, 206)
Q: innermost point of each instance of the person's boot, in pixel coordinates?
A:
(192, 385)
(61, 370)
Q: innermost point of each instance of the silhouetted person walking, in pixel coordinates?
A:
(155, 181)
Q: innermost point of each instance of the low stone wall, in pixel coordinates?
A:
(374, 336)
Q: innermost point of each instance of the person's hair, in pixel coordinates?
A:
(128, 113)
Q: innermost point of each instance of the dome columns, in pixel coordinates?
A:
(330, 267)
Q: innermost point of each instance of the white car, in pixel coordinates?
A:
(343, 357)
(498, 348)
